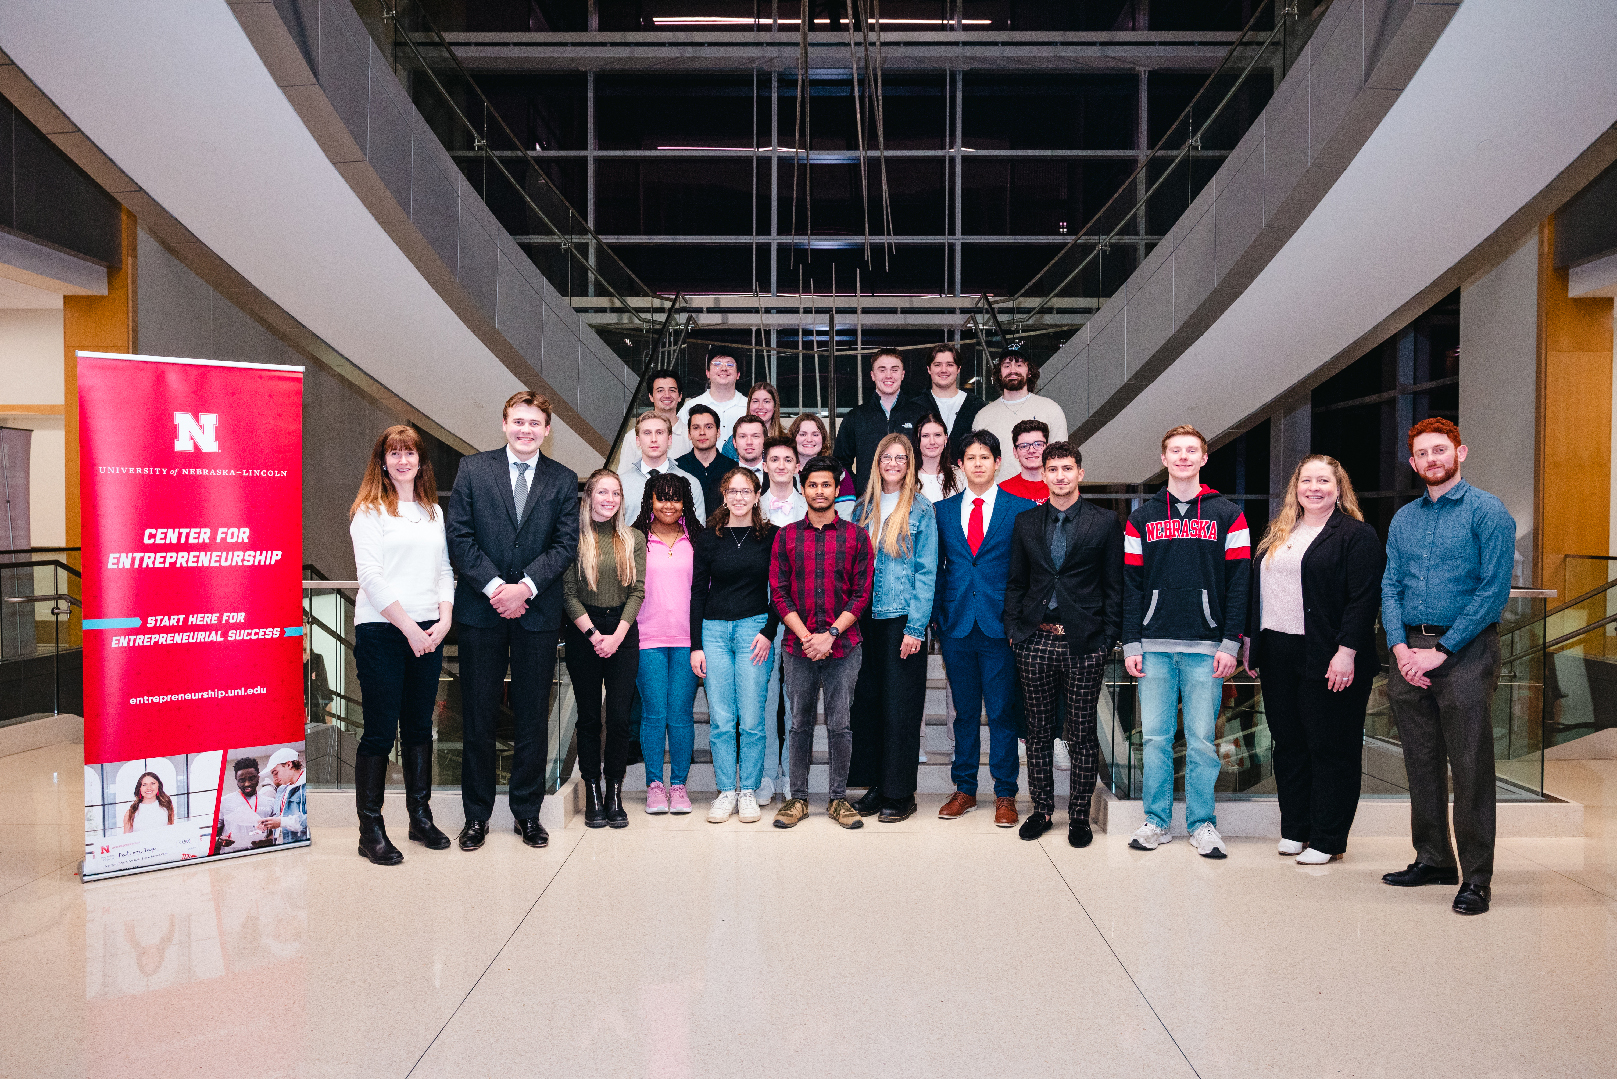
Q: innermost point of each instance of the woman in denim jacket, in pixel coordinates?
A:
(891, 692)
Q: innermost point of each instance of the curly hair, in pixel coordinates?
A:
(668, 487)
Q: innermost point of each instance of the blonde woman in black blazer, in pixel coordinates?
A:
(1316, 588)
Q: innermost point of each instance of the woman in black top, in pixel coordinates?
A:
(1311, 630)
(732, 633)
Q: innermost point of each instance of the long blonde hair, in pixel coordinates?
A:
(1279, 530)
(622, 538)
(895, 534)
(376, 490)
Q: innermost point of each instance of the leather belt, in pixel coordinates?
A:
(1425, 630)
(1051, 627)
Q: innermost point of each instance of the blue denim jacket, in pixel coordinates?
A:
(905, 586)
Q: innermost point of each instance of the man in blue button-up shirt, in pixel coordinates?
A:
(1449, 559)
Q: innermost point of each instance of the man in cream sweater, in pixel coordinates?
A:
(1017, 379)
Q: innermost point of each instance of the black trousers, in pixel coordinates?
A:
(888, 701)
(399, 687)
(485, 654)
(588, 672)
(1447, 731)
(1318, 741)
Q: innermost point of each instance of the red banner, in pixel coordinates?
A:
(191, 496)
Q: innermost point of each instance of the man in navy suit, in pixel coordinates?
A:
(512, 526)
(974, 559)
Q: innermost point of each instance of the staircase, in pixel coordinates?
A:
(931, 778)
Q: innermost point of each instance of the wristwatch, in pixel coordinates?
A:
(592, 634)
(834, 632)
(1441, 647)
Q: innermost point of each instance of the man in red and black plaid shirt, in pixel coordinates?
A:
(820, 580)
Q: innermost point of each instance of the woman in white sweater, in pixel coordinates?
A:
(402, 613)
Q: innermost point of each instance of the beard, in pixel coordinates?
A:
(1449, 472)
(1012, 382)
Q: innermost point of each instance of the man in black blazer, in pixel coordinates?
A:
(1063, 611)
(512, 526)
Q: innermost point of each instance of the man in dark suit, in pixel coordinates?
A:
(1064, 609)
(974, 557)
(513, 529)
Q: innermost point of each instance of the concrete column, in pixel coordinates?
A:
(1291, 432)
(1499, 390)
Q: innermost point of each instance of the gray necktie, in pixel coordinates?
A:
(521, 490)
(1058, 549)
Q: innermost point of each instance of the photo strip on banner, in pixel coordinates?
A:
(191, 500)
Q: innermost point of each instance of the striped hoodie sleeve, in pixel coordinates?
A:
(1133, 587)
(1238, 540)
(1237, 582)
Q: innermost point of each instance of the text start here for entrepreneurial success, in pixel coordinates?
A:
(215, 558)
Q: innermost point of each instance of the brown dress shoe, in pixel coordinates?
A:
(1005, 812)
(958, 805)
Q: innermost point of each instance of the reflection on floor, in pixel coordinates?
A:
(678, 948)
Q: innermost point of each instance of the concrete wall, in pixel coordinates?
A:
(180, 315)
(31, 348)
(1499, 388)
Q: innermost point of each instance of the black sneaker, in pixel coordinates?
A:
(1036, 825)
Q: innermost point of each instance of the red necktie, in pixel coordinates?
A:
(974, 528)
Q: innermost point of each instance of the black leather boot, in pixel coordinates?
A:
(370, 783)
(615, 816)
(594, 804)
(418, 796)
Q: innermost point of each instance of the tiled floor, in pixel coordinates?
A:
(678, 948)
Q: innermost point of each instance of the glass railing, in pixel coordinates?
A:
(41, 630)
(1521, 722)
(336, 707)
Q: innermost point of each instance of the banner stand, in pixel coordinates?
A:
(191, 500)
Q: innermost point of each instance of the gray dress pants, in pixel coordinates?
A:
(1447, 729)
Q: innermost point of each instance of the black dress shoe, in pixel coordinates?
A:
(893, 812)
(1473, 899)
(1419, 873)
(473, 834)
(1036, 825)
(1079, 834)
(532, 832)
(871, 803)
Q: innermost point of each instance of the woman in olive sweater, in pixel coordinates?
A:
(732, 633)
(602, 591)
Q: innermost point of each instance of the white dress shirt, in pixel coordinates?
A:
(966, 506)
(512, 460)
(783, 513)
(729, 412)
(404, 560)
(633, 477)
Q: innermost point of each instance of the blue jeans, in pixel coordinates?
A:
(667, 692)
(777, 751)
(736, 688)
(982, 671)
(1172, 677)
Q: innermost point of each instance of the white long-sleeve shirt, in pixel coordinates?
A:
(402, 559)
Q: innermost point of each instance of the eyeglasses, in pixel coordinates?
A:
(720, 365)
(735, 491)
(1030, 445)
(894, 459)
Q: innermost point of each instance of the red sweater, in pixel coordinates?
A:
(1031, 489)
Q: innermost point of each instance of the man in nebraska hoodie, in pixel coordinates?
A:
(1187, 556)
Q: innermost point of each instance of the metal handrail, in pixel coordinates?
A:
(71, 572)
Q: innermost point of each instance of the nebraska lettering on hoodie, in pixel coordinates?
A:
(1186, 571)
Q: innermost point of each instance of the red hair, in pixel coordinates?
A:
(1434, 426)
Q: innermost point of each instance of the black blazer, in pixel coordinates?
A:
(1090, 578)
(1341, 595)
(485, 541)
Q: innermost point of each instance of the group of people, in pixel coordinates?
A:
(783, 573)
(262, 812)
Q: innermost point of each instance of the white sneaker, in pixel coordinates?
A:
(723, 806)
(1063, 758)
(1316, 857)
(1207, 841)
(747, 803)
(766, 791)
(1149, 837)
(1289, 847)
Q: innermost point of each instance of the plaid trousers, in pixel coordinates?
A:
(1046, 667)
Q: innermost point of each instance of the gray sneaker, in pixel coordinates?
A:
(1149, 837)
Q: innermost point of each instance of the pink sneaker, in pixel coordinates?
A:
(678, 800)
(657, 799)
